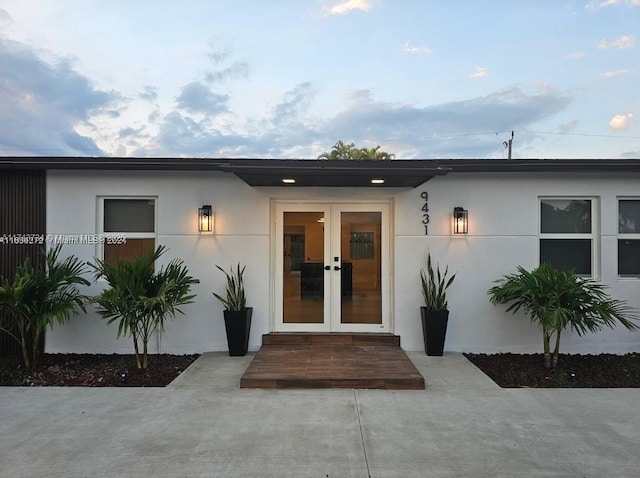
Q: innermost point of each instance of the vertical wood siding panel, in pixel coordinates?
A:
(22, 211)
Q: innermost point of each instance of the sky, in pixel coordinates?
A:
(289, 78)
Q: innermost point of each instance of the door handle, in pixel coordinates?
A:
(336, 268)
(327, 268)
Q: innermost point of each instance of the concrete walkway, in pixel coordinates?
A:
(204, 425)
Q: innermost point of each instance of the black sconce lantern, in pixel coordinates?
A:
(460, 220)
(205, 219)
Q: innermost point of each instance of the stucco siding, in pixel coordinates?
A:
(503, 233)
(241, 235)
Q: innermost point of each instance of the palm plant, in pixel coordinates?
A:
(555, 299)
(341, 150)
(234, 298)
(141, 299)
(375, 153)
(40, 297)
(435, 285)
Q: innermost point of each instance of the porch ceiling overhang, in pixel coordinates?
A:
(323, 173)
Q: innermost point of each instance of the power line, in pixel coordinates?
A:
(582, 134)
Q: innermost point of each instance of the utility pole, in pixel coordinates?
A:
(509, 144)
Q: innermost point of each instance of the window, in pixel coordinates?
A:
(567, 234)
(629, 237)
(361, 245)
(133, 219)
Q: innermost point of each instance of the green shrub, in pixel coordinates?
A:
(555, 299)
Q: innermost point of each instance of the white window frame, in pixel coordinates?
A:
(594, 235)
(624, 236)
(128, 235)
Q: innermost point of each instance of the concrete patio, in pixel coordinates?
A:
(205, 425)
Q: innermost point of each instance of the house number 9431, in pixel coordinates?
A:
(425, 211)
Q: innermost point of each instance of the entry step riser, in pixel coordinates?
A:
(319, 338)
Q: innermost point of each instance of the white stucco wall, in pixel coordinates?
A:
(241, 235)
(503, 233)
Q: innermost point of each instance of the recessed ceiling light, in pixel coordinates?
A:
(377, 181)
(288, 180)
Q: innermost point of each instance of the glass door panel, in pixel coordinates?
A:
(331, 267)
(303, 275)
(361, 267)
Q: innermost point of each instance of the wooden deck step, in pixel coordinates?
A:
(320, 338)
(313, 361)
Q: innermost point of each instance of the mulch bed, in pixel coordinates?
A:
(94, 370)
(573, 371)
(507, 370)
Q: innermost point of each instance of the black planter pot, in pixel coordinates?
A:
(238, 325)
(434, 330)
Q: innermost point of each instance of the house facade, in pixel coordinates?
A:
(337, 246)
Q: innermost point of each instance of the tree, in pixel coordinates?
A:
(340, 150)
(141, 299)
(39, 298)
(555, 299)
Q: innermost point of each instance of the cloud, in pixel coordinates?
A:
(409, 48)
(439, 127)
(278, 135)
(77, 142)
(5, 18)
(217, 55)
(631, 155)
(598, 4)
(182, 135)
(294, 104)
(50, 109)
(44, 102)
(342, 8)
(129, 132)
(149, 93)
(478, 72)
(544, 86)
(456, 129)
(359, 96)
(568, 127)
(620, 122)
(198, 98)
(624, 41)
(239, 69)
(611, 73)
(576, 55)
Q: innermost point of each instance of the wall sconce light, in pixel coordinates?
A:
(205, 218)
(460, 220)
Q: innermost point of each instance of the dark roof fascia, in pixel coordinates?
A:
(274, 166)
(109, 163)
(284, 165)
(326, 173)
(256, 172)
(540, 165)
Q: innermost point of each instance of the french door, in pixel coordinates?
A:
(332, 267)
